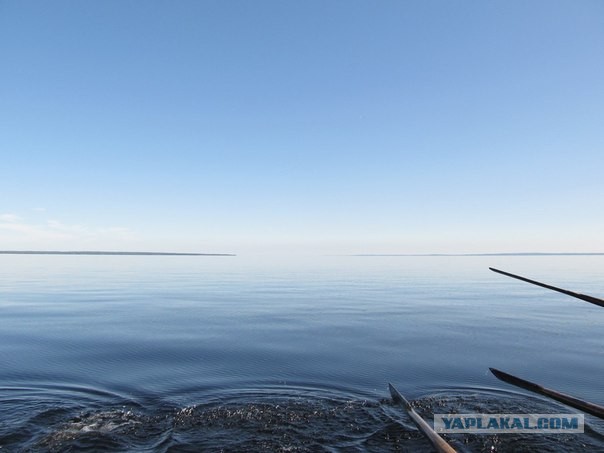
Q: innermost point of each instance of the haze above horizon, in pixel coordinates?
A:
(147, 253)
(352, 127)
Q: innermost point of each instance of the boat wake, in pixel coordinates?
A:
(287, 423)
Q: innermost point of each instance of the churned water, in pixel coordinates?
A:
(157, 353)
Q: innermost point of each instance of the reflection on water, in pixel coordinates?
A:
(190, 353)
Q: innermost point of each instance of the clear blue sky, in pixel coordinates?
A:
(307, 126)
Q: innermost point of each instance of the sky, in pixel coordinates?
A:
(315, 127)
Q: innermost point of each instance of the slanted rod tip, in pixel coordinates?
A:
(500, 374)
(393, 392)
(397, 397)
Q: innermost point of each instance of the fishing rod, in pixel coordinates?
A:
(438, 442)
(585, 297)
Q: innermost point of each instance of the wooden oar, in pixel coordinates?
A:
(438, 442)
(585, 297)
(585, 406)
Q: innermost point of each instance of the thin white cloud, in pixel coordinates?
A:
(14, 231)
(55, 225)
(18, 230)
(9, 218)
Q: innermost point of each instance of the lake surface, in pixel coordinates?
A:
(201, 353)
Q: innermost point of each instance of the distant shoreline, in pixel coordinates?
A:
(92, 252)
(486, 254)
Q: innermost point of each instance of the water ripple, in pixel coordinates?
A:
(294, 418)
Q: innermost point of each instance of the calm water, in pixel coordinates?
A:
(256, 354)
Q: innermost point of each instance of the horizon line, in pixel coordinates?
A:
(99, 252)
(486, 254)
